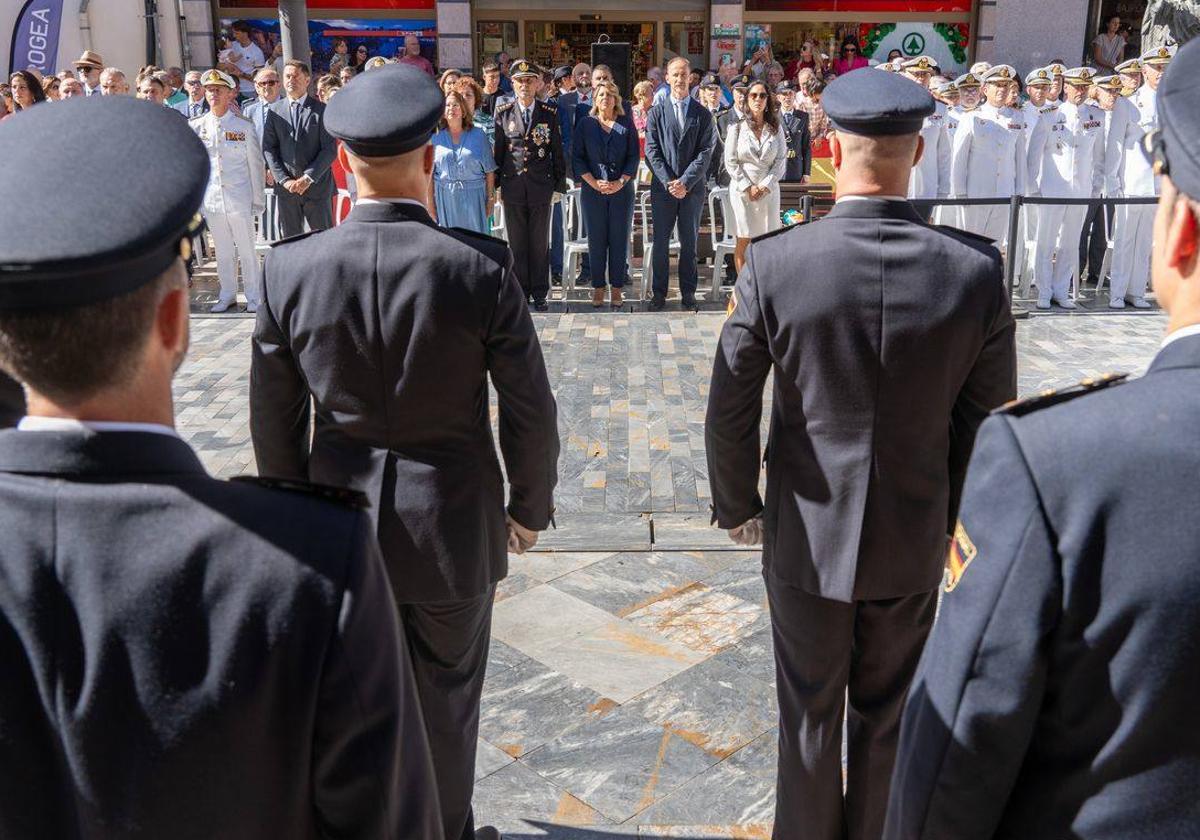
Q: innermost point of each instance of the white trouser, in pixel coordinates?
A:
(1059, 229)
(1029, 224)
(987, 220)
(233, 235)
(1132, 240)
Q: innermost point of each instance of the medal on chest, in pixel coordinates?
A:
(540, 136)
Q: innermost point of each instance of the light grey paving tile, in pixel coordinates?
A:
(543, 618)
(509, 798)
(514, 584)
(597, 532)
(489, 759)
(683, 531)
(527, 706)
(501, 657)
(619, 764)
(753, 656)
(701, 618)
(626, 582)
(545, 566)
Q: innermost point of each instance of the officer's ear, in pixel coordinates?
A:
(1182, 245)
(835, 148)
(920, 153)
(343, 158)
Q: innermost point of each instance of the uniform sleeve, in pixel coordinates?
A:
(960, 158)
(1035, 153)
(974, 702)
(279, 397)
(1020, 157)
(805, 142)
(735, 399)
(943, 161)
(500, 150)
(559, 158)
(1114, 157)
(1098, 165)
(991, 382)
(528, 413)
(372, 771)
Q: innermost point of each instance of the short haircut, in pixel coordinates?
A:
(297, 63)
(266, 68)
(74, 353)
(468, 114)
(241, 26)
(602, 68)
(490, 67)
(678, 60)
(154, 80)
(329, 81)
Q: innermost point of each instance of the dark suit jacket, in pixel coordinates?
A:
(607, 155)
(891, 341)
(185, 109)
(12, 401)
(190, 658)
(530, 165)
(799, 145)
(309, 151)
(257, 114)
(672, 154)
(568, 105)
(1057, 695)
(716, 166)
(396, 355)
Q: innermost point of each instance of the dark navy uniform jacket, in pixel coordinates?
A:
(799, 145)
(12, 401)
(190, 658)
(890, 341)
(530, 162)
(1057, 695)
(393, 325)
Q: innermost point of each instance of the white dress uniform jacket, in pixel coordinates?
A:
(930, 178)
(237, 176)
(1130, 175)
(988, 161)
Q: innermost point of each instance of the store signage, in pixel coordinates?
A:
(380, 36)
(726, 31)
(908, 6)
(35, 37)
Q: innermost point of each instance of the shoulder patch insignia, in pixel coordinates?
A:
(969, 234)
(341, 495)
(295, 238)
(962, 552)
(1051, 396)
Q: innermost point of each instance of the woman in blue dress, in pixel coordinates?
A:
(464, 171)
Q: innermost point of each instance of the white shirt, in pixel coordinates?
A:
(1182, 332)
(411, 201)
(247, 59)
(65, 424)
(680, 107)
(842, 199)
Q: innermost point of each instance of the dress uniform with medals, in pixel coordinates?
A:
(1057, 694)
(883, 370)
(988, 160)
(530, 170)
(1066, 160)
(1039, 81)
(1130, 176)
(183, 657)
(395, 359)
(799, 140)
(931, 176)
(235, 194)
(955, 114)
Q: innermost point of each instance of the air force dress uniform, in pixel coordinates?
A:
(531, 168)
(235, 195)
(1066, 160)
(182, 656)
(988, 160)
(883, 371)
(1130, 176)
(395, 358)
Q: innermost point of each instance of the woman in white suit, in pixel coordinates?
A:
(755, 158)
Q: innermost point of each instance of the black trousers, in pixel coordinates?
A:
(1093, 242)
(528, 232)
(449, 645)
(825, 651)
(292, 211)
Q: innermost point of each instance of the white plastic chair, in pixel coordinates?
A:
(648, 243)
(575, 244)
(727, 242)
(499, 229)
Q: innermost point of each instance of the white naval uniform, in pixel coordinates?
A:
(1029, 213)
(1066, 160)
(951, 215)
(236, 183)
(988, 161)
(1129, 176)
(930, 178)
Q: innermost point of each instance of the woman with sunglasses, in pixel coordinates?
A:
(359, 60)
(850, 58)
(755, 158)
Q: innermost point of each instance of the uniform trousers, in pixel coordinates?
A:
(233, 236)
(314, 207)
(824, 651)
(528, 235)
(1059, 228)
(1029, 231)
(1094, 241)
(1131, 251)
(556, 240)
(449, 645)
(987, 220)
(609, 219)
(667, 213)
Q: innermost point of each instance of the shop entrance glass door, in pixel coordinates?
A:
(561, 44)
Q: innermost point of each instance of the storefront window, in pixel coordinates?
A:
(493, 37)
(1131, 12)
(685, 39)
(554, 44)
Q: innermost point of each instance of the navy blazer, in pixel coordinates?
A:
(1055, 697)
(672, 154)
(606, 154)
(309, 151)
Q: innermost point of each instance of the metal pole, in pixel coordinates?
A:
(806, 208)
(293, 30)
(1010, 268)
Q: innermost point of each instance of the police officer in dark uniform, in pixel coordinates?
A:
(182, 657)
(795, 131)
(530, 170)
(710, 84)
(884, 370)
(739, 85)
(1057, 695)
(395, 357)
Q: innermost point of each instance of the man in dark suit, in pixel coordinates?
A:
(679, 145)
(299, 152)
(884, 370)
(1057, 695)
(530, 170)
(395, 357)
(182, 657)
(195, 105)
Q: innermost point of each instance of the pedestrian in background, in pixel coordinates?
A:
(756, 160)
(464, 170)
(26, 90)
(472, 95)
(605, 158)
(849, 58)
(643, 96)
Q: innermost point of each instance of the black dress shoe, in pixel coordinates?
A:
(555, 279)
(658, 304)
(487, 833)
(541, 306)
(688, 303)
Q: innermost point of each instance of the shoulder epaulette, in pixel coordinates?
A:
(474, 234)
(505, 105)
(550, 106)
(243, 118)
(340, 495)
(978, 237)
(295, 238)
(770, 233)
(1051, 396)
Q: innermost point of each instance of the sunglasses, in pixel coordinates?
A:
(851, 49)
(759, 95)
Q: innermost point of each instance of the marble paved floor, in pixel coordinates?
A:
(630, 690)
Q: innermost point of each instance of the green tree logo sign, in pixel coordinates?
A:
(913, 44)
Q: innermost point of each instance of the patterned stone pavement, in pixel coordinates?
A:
(630, 690)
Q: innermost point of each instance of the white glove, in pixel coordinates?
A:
(748, 533)
(520, 538)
